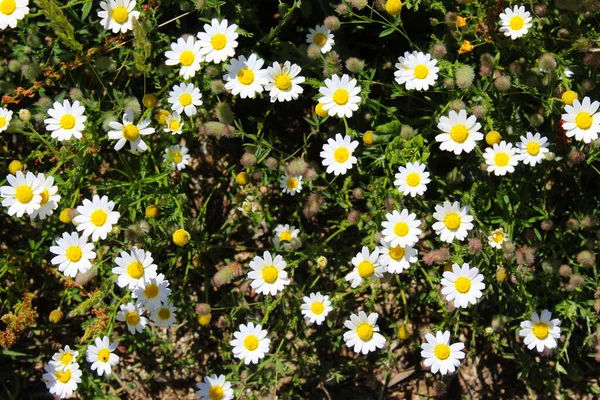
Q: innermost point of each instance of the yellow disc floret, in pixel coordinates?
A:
(181, 237)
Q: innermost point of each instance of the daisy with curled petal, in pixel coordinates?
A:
(5, 117)
(185, 98)
(12, 11)
(66, 120)
(50, 199)
(363, 333)
(155, 292)
(24, 195)
(419, 71)
(284, 82)
(96, 217)
(178, 156)
(268, 274)
(401, 228)
(532, 149)
(463, 285)
(440, 355)
(132, 316)
(401, 66)
(187, 53)
(130, 132)
(316, 307)
(215, 388)
(63, 358)
(117, 15)
(337, 154)
(101, 355)
(497, 238)
(245, 77)
(501, 158)
(218, 41)
(460, 132)
(73, 254)
(164, 315)
(291, 184)
(320, 37)
(284, 235)
(365, 266)
(250, 343)
(396, 258)
(454, 221)
(134, 268)
(516, 22)
(340, 96)
(62, 382)
(173, 124)
(412, 180)
(540, 331)
(582, 120)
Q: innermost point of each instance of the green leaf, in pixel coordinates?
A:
(386, 32)
(85, 11)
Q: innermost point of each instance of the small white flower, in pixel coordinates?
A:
(218, 41)
(173, 124)
(497, 238)
(215, 388)
(24, 195)
(132, 316)
(64, 358)
(155, 292)
(501, 158)
(250, 343)
(417, 71)
(463, 285)
(363, 333)
(440, 355)
(516, 22)
(320, 37)
(117, 15)
(5, 116)
(316, 307)
(396, 258)
(187, 53)
(268, 274)
(12, 11)
(541, 331)
(284, 235)
(73, 254)
(178, 156)
(401, 66)
(337, 154)
(532, 149)
(66, 120)
(96, 217)
(245, 77)
(101, 355)
(291, 184)
(185, 98)
(340, 96)
(284, 82)
(582, 120)
(460, 132)
(164, 315)
(134, 268)
(365, 266)
(412, 179)
(454, 221)
(62, 382)
(130, 132)
(50, 199)
(401, 228)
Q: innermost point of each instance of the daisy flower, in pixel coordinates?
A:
(101, 355)
(454, 221)
(363, 333)
(185, 98)
(218, 41)
(316, 307)
(396, 258)
(66, 120)
(516, 22)
(96, 217)
(178, 156)
(582, 120)
(50, 199)
(540, 331)
(63, 358)
(417, 71)
(284, 235)
(24, 195)
(117, 15)
(132, 316)
(73, 254)
(173, 124)
(268, 274)
(134, 268)
(365, 266)
(460, 132)
(463, 285)
(412, 179)
(164, 315)
(187, 53)
(440, 355)
(245, 76)
(340, 96)
(130, 132)
(215, 387)
(62, 382)
(284, 82)
(12, 11)
(501, 158)
(401, 228)
(497, 238)
(5, 117)
(155, 292)
(291, 184)
(320, 37)
(337, 154)
(250, 343)
(532, 149)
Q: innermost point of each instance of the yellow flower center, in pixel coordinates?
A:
(24, 194)
(540, 330)
(7, 7)
(2, 122)
(45, 197)
(74, 253)
(185, 99)
(413, 179)
(459, 133)
(320, 39)
(341, 154)
(120, 15)
(151, 291)
(164, 314)
(270, 274)
(131, 132)
(421, 71)
(204, 319)
(442, 351)
(98, 217)
(251, 342)
(67, 121)
(104, 355)
(516, 23)
(498, 237)
(401, 229)
(567, 97)
(135, 270)
(177, 157)
(462, 284)
(246, 76)
(341, 96)
(317, 308)
(493, 137)
(186, 58)
(584, 120)
(292, 183)
(181, 237)
(501, 159)
(533, 148)
(174, 125)
(366, 269)
(393, 7)
(396, 253)
(283, 82)
(218, 41)
(320, 111)
(364, 331)
(452, 221)
(66, 358)
(285, 236)
(63, 376)
(132, 318)
(216, 392)
(369, 138)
